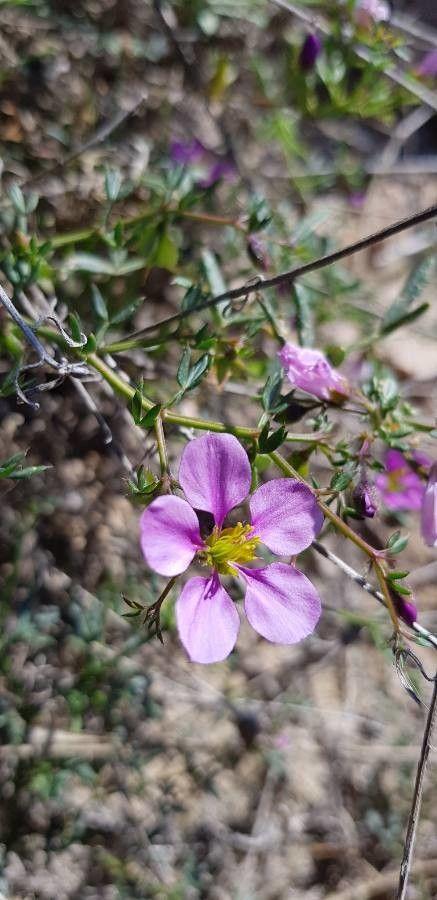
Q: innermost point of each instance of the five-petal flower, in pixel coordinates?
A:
(281, 603)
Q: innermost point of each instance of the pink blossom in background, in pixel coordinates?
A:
(422, 459)
(213, 166)
(280, 602)
(400, 487)
(310, 371)
(369, 11)
(223, 167)
(429, 510)
(357, 199)
(186, 152)
(427, 67)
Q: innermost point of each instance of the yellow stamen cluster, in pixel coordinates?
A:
(394, 480)
(231, 545)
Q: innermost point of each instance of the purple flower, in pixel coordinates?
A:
(185, 152)
(223, 167)
(400, 487)
(369, 11)
(280, 603)
(428, 65)
(310, 371)
(309, 52)
(365, 499)
(429, 510)
(214, 167)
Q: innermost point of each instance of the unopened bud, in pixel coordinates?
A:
(406, 609)
(364, 497)
(310, 50)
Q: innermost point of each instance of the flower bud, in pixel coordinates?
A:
(257, 252)
(406, 610)
(364, 497)
(310, 371)
(309, 52)
(429, 510)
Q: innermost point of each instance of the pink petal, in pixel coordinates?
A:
(170, 535)
(285, 515)
(281, 604)
(207, 620)
(429, 510)
(215, 474)
(395, 460)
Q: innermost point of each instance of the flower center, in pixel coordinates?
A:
(395, 481)
(230, 545)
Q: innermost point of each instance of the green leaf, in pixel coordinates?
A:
(127, 311)
(213, 274)
(197, 372)
(91, 344)
(335, 354)
(271, 393)
(136, 404)
(99, 304)
(11, 467)
(395, 576)
(267, 443)
(399, 312)
(405, 319)
(193, 297)
(100, 265)
(302, 297)
(29, 471)
(340, 481)
(184, 367)
(75, 327)
(113, 182)
(401, 589)
(16, 197)
(151, 415)
(146, 483)
(167, 254)
(397, 542)
(260, 214)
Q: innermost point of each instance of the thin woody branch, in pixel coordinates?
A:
(413, 819)
(362, 582)
(289, 277)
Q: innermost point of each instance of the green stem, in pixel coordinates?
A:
(76, 237)
(126, 390)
